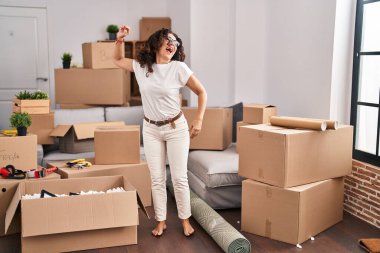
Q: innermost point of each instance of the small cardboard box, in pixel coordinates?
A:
(19, 151)
(290, 157)
(79, 138)
(258, 113)
(216, 133)
(31, 106)
(291, 215)
(42, 125)
(7, 190)
(149, 25)
(238, 125)
(137, 174)
(92, 86)
(117, 145)
(74, 223)
(99, 55)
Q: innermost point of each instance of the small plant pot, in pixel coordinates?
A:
(112, 36)
(66, 64)
(21, 131)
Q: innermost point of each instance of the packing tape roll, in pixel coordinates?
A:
(223, 233)
(293, 122)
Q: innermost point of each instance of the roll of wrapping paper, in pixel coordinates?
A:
(293, 122)
(223, 233)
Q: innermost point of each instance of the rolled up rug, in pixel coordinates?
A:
(371, 245)
(223, 233)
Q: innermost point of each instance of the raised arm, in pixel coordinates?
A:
(118, 57)
(195, 85)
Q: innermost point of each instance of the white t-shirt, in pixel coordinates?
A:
(160, 90)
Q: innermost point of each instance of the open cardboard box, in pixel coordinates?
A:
(81, 222)
(137, 174)
(79, 138)
(7, 190)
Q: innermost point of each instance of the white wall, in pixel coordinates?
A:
(73, 22)
(296, 55)
(212, 39)
(251, 51)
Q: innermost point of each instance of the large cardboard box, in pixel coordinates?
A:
(238, 125)
(92, 86)
(79, 138)
(99, 55)
(137, 174)
(42, 125)
(291, 215)
(19, 151)
(216, 133)
(117, 145)
(149, 25)
(31, 106)
(7, 190)
(258, 113)
(290, 157)
(74, 223)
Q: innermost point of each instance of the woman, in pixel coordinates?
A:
(160, 73)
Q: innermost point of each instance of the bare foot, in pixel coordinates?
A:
(188, 230)
(159, 229)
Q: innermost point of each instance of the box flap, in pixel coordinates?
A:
(60, 130)
(12, 208)
(128, 186)
(86, 130)
(259, 105)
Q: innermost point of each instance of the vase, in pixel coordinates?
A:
(112, 36)
(21, 131)
(66, 64)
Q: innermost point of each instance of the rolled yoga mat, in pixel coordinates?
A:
(293, 122)
(223, 233)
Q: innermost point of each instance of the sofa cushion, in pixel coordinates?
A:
(74, 116)
(216, 168)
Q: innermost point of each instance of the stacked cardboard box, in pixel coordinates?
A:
(294, 188)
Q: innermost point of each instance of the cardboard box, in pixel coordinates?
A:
(76, 222)
(137, 174)
(42, 125)
(19, 151)
(258, 113)
(31, 106)
(150, 25)
(290, 157)
(92, 86)
(238, 125)
(291, 215)
(99, 55)
(79, 138)
(7, 190)
(117, 145)
(216, 133)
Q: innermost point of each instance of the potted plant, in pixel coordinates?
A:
(112, 31)
(21, 121)
(66, 60)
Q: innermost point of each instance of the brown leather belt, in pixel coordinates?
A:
(164, 122)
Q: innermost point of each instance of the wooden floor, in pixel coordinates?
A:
(340, 238)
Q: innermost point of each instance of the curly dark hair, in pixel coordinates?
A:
(147, 55)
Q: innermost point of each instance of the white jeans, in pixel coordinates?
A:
(175, 142)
